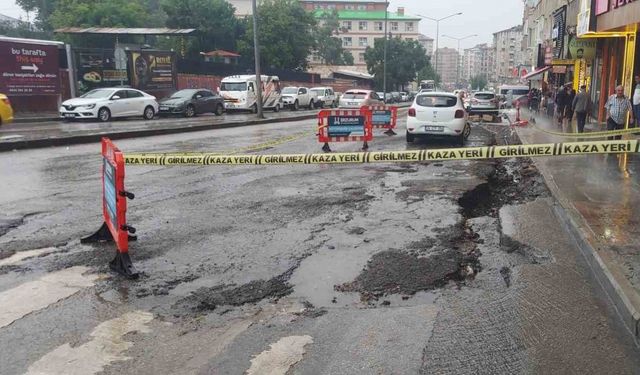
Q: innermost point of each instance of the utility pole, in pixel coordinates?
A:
(437, 20)
(256, 52)
(458, 62)
(386, 41)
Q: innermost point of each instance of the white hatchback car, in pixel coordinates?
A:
(436, 114)
(107, 103)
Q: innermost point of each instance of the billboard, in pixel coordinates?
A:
(29, 69)
(97, 68)
(153, 70)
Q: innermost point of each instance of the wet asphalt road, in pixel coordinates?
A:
(457, 267)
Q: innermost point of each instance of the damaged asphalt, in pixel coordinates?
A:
(411, 268)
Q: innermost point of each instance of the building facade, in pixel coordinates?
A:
(479, 61)
(448, 65)
(427, 43)
(509, 62)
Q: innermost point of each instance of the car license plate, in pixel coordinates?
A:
(353, 103)
(434, 128)
(164, 108)
(69, 115)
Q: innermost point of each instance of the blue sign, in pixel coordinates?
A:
(345, 126)
(110, 196)
(381, 118)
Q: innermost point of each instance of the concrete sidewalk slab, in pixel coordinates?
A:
(598, 199)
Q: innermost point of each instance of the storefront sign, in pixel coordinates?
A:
(153, 70)
(619, 3)
(584, 22)
(582, 48)
(562, 62)
(548, 56)
(29, 69)
(559, 69)
(602, 6)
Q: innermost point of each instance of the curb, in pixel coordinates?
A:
(22, 120)
(577, 229)
(92, 138)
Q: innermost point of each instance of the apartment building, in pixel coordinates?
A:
(479, 61)
(448, 65)
(427, 43)
(508, 54)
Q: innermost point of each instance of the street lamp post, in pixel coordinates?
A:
(256, 51)
(437, 20)
(386, 41)
(458, 67)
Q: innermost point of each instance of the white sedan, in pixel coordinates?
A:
(107, 103)
(436, 114)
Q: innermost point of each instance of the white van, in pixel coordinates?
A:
(510, 93)
(239, 93)
(326, 96)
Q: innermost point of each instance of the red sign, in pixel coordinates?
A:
(29, 69)
(114, 204)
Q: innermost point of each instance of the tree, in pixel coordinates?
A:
(479, 82)
(428, 73)
(405, 58)
(43, 10)
(101, 13)
(215, 22)
(285, 35)
(328, 46)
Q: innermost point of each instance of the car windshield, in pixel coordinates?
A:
(183, 94)
(484, 96)
(233, 86)
(318, 92)
(436, 101)
(289, 91)
(355, 95)
(96, 94)
(521, 92)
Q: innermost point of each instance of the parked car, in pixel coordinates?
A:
(296, 97)
(6, 111)
(326, 97)
(107, 103)
(397, 98)
(509, 94)
(484, 102)
(359, 98)
(191, 102)
(388, 98)
(436, 114)
(239, 92)
(404, 96)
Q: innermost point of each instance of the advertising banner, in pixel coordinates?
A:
(346, 126)
(153, 70)
(582, 49)
(96, 68)
(29, 69)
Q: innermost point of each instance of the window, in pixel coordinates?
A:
(436, 101)
(347, 41)
(394, 26)
(349, 7)
(346, 25)
(361, 57)
(302, 91)
(122, 94)
(408, 26)
(134, 94)
(331, 6)
(378, 26)
(362, 7)
(363, 41)
(362, 25)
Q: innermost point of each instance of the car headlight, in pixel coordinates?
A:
(88, 106)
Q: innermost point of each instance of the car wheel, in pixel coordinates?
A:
(148, 113)
(311, 105)
(219, 110)
(104, 114)
(467, 131)
(295, 106)
(276, 108)
(410, 137)
(335, 104)
(190, 111)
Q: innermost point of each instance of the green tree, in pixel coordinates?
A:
(101, 13)
(405, 58)
(22, 30)
(428, 73)
(328, 45)
(215, 22)
(42, 9)
(285, 35)
(479, 82)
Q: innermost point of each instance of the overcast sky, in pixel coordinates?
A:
(482, 17)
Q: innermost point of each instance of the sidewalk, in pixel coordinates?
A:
(599, 197)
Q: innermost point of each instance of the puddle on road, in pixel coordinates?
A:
(38, 294)
(21, 255)
(107, 346)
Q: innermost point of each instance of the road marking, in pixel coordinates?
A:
(92, 357)
(283, 354)
(38, 294)
(21, 255)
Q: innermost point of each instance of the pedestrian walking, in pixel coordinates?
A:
(568, 115)
(636, 101)
(582, 107)
(618, 108)
(562, 98)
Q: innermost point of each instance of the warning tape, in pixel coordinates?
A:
(468, 153)
(600, 134)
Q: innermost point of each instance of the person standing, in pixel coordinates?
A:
(636, 101)
(571, 94)
(561, 104)
(582, 107)
(618, 108)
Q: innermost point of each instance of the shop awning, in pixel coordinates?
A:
(536, 72)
